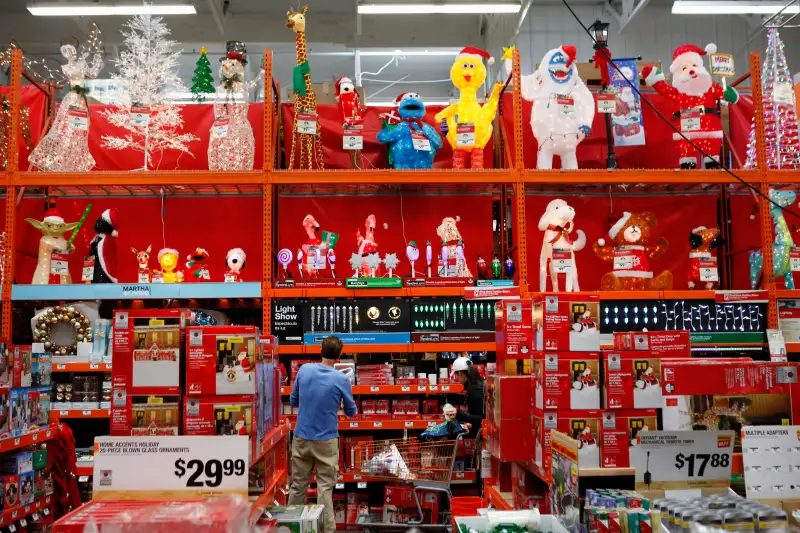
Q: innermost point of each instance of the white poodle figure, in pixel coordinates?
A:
(563, 107)
(557, 225)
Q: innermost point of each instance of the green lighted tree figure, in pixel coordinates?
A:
(202, 82)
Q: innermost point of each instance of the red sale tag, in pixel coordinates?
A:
(140, 116)
(794, 257)
(708, 269)
(307, 123)
(420, 142)
(77, 118)
(690, 120)
(465, 134)
(565, 104)
(220, 128)
(606, 103)
(59, 265)
(562, 260)
(88, 269)
(623, 259)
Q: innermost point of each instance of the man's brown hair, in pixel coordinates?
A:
(331, 347)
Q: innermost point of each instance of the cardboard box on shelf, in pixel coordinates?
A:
(567, 322)
(658, 343)
(583, 426)
(566, 380)
(221, 360)
(400, 507)
(632, 379)
(515, 332)
(22, 358)
(219, 415)
(618, 432)
(357, 505)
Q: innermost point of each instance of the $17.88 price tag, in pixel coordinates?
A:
(700, 457)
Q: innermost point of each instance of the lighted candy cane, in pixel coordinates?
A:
(428, 255)
(284, 258)
(300, 261)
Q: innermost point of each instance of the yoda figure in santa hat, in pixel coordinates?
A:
(563, 107)
(696, 97)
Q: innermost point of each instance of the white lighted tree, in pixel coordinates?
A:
(147, 71)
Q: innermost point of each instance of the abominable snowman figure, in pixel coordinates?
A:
(563, 107)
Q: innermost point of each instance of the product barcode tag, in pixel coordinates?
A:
(140, 116)
(420, 142)
(88, 269)
(465, 134)
(623, 260)
(690, 120)
(565, 105)
(353, 139)
(220, 128)
(144, 277)
(794, 256)
(606, 103)
(708, 269)
(561, 261)
(307, 123)
(158, 277)
(230, 278)
(59, 265)
(77, 118)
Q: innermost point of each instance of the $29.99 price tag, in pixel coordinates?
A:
(199, 473)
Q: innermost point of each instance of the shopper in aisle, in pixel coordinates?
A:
(474, 394)
(318, 392)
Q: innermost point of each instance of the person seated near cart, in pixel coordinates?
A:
(319, 390)
(474, 397)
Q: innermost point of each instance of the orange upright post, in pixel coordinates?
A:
(516, 76)
(12, 169)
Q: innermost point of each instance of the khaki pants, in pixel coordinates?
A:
(324, 455)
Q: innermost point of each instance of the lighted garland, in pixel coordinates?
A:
(53, 316)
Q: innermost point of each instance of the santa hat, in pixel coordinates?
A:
(164, 251)
(339, 82)
(111, 216)
(571, 52)
(690, 53)
(402, 96)
(475, 53)
(699, 229)
(53, 215)
(614, 230)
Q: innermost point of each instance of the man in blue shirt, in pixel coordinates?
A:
(319, 390)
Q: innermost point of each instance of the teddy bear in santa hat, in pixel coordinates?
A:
(631, 249)
(697, 115)
(563, 107)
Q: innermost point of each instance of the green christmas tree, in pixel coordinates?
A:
(202, 82)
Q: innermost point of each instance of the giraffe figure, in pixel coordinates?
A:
(783, 241)
(305, 101)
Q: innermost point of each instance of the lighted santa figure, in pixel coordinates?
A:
(584, 322)
(585, 438)
(563, 107)
(584, 380)
(697, 99)
(240, 428)
(348, 101)
(647, 379)
(244, 362)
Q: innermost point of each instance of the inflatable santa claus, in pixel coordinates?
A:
(563, 107)
(697, 115)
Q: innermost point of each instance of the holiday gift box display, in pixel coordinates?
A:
(41, 369)
(618, 432)
(151, 416)
(22, 365)
(567, 322)
(508, 417)
(729, 394)
(400, 505)
(566, 380)
(452, 320)
(361, 321)
(632, 379)
(583, 426)
(219, 415)
(672, 344)
(515, 337)
(24, 410)
(221, 360)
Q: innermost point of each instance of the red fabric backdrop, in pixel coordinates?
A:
(36, 102)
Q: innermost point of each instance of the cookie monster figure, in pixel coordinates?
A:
(412, 142)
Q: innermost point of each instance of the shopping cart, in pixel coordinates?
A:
(425, 465)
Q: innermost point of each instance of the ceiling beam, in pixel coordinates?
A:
(218, 14)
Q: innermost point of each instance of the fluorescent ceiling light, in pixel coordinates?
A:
(737, 7)
(95, 10)
(445, 8)
(392, 53)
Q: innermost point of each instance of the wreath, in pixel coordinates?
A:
(53, 316)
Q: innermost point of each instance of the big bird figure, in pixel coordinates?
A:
(469, 125)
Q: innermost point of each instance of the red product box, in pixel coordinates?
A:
(633, 379)
(357, 504)
(509, 397)
(567, 322)
(340, 510)
(221, 360)
(660, 343)
(399, 506)
(618, 434)
(22, 362)
(466, 447)
(540, 502)
(219, 415)
(566, 380)
(430, 407)
(732, 393)
(514, 331)
(583, 426)
(509, 439)
(295, 367)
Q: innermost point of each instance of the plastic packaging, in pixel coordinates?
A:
(738, 520)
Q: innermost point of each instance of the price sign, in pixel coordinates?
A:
(770, 465)
(777, 345)
(87, 274)
(623, 259)
(155, 467)
(77, 118)
(565, 105)
(708, 269)
(140, 116)
(606, 103)
(690, 120)
(465, 134)
(220, 128)
(702, 458)
(794, 257)
(158, 277)
(420, 142)
(59, 265)
(307, 123)
(722, 65)
(353, 138)
(561, 262)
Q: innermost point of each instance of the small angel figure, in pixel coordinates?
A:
(232, 145)
(65, 148)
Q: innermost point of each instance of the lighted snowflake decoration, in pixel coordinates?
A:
(356, 261)
(373, 261)
(391, 261)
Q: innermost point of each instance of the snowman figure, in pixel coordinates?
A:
(584, 380)
(647, 379)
